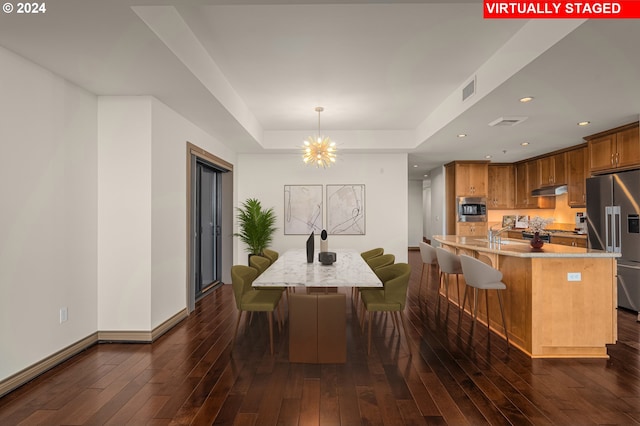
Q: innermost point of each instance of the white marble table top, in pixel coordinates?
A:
(291, 269)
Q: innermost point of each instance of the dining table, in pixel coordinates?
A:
(317, 315)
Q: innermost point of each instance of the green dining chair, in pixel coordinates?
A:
(260, 263)
(272, 255)
(374, 263)
(372, 253)
(391, 298)
(366, 255)
(380, 261)
(249, 299)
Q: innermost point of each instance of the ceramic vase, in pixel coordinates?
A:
(324, 243)
(537, 242)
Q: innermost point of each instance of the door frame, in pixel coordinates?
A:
(194, 152)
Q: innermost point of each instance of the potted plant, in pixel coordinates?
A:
(256, 226)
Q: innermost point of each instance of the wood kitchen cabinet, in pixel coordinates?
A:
(450, 198)
(516, 235)
(527, 179)
(464, 179)
(501, 186)
(569, 241)
(577, 173)
(552, 170)
(617, 149)
(472, 229)
(471, 179)
(523, 199)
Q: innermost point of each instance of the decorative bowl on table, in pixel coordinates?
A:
(326, 257)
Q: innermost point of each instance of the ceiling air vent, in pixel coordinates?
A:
(507, 121)
(469, 89)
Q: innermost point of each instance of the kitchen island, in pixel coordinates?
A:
(560, 301)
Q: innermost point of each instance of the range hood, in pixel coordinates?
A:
(549, 191)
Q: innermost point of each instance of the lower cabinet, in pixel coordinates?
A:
(471, 229)
(569, 241)
(514, 234)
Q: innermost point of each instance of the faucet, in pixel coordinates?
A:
(494, 236)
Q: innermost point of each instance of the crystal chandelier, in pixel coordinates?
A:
(319, 150)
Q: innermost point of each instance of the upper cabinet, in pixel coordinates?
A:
(527, 178)
(577, 173)
(615, 149)
(552, 170)
(523, 173)
(501, 192)
(471, 179)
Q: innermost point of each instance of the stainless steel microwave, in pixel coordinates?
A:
(472, 209)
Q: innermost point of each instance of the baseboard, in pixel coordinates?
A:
(30, 373)
(168, 324)
(15, 381)
(125, 336)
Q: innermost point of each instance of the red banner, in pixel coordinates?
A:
(518, 9)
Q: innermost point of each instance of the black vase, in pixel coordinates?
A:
(310, 248)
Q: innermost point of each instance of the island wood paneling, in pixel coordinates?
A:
(547, 315)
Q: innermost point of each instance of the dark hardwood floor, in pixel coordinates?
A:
(188, 376)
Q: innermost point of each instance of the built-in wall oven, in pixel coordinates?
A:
(472, 209)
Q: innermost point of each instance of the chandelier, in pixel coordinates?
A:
(319, 150)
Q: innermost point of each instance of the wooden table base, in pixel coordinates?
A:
(317, 328)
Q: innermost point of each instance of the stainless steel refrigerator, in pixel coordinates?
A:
(613, 217)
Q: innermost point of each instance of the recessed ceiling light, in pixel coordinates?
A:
(524, 143)
(427, 175)
(462, 135)
(415, 165)
(487, 156)
(584, 123)
(526, 99)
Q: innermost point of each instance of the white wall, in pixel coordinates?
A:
(385, 177)
(426, 207)
(93, 215)
(142, 268)
(438, 205)
(48, 219)
(415, 213)
(124, 213)
(170, 133)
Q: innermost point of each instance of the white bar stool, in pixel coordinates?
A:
(449, 264)
(481, 276)
(429, 258)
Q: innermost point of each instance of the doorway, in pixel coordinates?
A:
(207, 227)
(210, 186)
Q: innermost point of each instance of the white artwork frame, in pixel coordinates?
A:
(346, 209)
(302, 209)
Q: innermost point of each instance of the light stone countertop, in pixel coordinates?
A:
(519, 248)
(291, 269)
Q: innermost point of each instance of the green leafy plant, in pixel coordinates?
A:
(256, 226)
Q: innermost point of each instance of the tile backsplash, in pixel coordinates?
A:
(563, 215)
